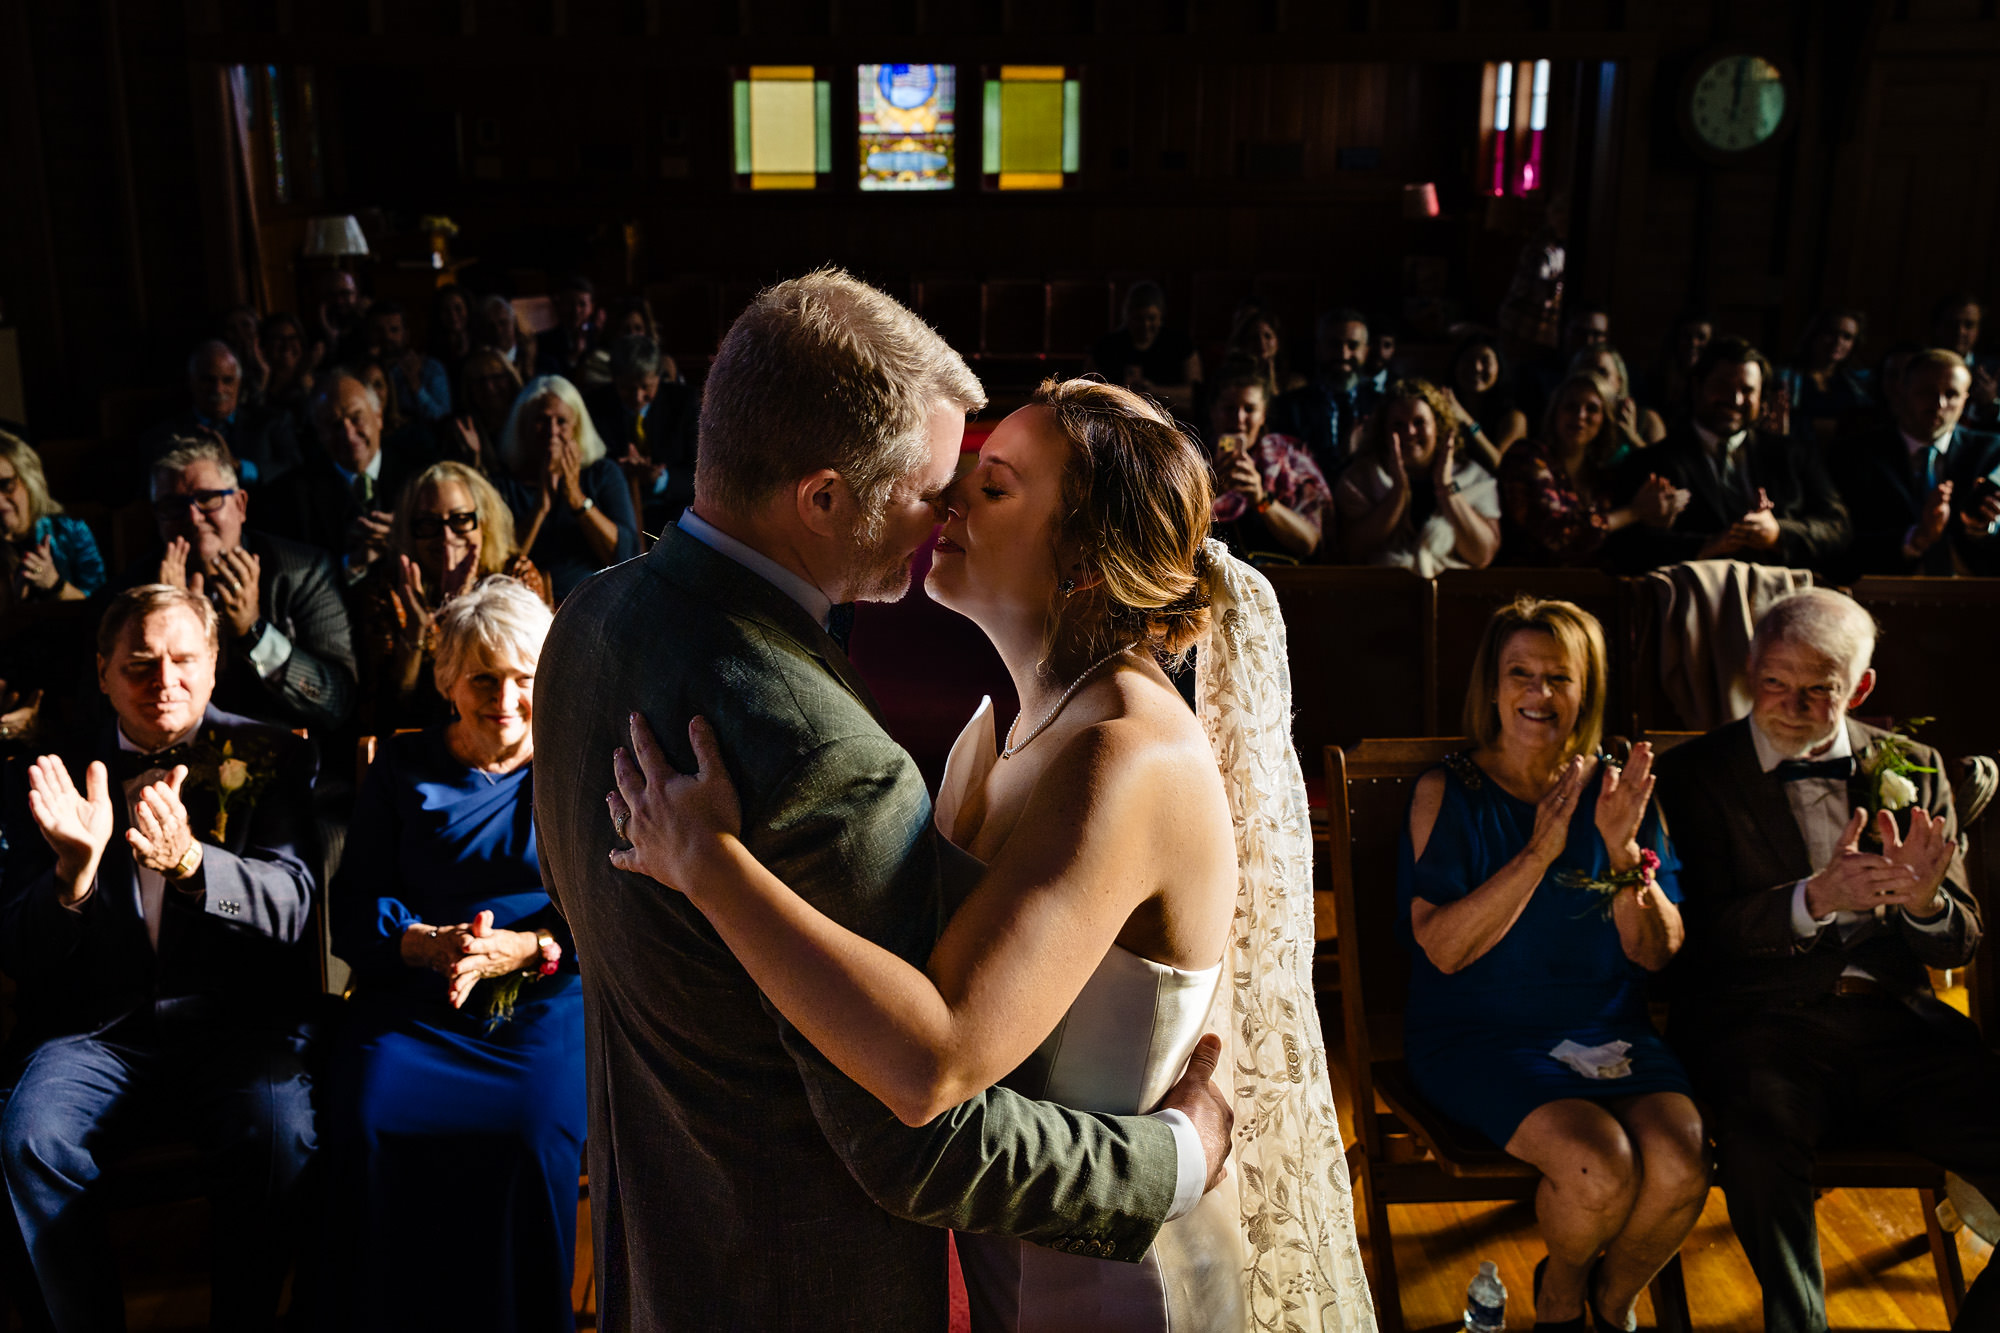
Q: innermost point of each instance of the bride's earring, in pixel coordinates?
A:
(1066, 587)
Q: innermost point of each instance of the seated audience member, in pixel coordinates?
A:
(341, 500)
(648, 422)
(1146, 356)
(1410, 498)
(451, 530)
(1639, 427)
(337, 317)
(153, 911)
(1327, 413)
(238, 328)
(1955, 326)
(422, 387)
(562, 349)
(499, 327)
(1381, 367)
(1269, 495)
(1923, 494)
(451, 330)
(264, 447)
(1669, 385)
(627, 317)
(464, 1039)
(569, 500)
(1752, 496)
(1489, 421)
(1822, 389)
(1256, 337)
(487, 387)
(402, 434)
(1803, 1006)
(288, 378)
(1556, 490)
(47, 555)
(286, 651)
(1585, 328)
(1538, 892)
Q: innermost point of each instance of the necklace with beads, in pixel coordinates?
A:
(1012, 748)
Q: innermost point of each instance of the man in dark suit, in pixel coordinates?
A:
(262, 442)
(287, 645)
(1751, 496)
(1801, 1001)
(343, 497)
(712, 1121)
(648, 425)
(1924, 492)
(1327, 413)
(154, 896)
(561, 350)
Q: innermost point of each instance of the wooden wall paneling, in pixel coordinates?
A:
(1014, 317)
(1628, 266)
(32, 292)
(1080, 310)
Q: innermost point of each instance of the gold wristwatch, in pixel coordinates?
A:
(189, 863)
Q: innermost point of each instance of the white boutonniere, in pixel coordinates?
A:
(1888, 766)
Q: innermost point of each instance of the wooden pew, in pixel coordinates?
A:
(1935, 657)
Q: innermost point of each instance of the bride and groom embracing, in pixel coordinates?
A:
(827, 1020)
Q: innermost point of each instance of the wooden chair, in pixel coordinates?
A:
(1404, 1151)
(1887, 1168)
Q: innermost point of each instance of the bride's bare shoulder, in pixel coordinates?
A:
(1145, 729)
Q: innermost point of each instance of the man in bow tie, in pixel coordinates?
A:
(154, 895)
(1802, 1004)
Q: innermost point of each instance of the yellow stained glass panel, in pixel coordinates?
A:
(1031, 126)
(783, 130)
(1031, 180)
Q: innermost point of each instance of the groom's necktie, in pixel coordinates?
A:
(1799, 770)
(840, 624)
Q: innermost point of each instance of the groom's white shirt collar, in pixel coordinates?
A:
(815, 602)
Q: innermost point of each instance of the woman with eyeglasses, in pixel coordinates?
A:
(47, 556)
(451, 530)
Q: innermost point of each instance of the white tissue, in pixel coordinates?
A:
(1606, 1061)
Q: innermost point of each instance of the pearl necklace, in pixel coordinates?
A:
(1013, 749)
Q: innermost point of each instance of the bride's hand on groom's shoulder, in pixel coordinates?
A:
(671, 821)
(1198, 1098)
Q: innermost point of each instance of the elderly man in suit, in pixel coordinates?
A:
(1752, 496)
(287, 646)
(1924, 492)
(1820, 883)
(263, 442)
(342, 498)
(739, 1180)
(153, 903)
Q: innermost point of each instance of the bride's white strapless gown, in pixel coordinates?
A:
(1124, 1042)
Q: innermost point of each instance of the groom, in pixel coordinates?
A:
(740, 1181)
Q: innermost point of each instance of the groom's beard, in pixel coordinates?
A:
(881, 572)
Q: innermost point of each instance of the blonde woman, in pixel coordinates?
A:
(569, 501)
(1538, 892)
(450, 530)
(47, 555)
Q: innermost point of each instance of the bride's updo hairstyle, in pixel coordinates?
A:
(1135, 499)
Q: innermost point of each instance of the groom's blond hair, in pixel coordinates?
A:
(824, 371)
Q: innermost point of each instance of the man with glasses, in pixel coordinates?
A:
(287, 647)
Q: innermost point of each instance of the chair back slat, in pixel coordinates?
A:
(1355, 636)
(1368, 804)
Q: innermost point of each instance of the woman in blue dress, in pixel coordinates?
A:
(47, 555)
(1538, 892)
(456, 1107)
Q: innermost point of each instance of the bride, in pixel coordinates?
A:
(1147, 877)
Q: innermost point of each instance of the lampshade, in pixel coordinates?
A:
(333, 237)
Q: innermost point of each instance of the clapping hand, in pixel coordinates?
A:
(159, 835)
(1621, 806)
(1979, 520)
(1553, 812)
(1932, 521)
(639, 467)
(1658, 502)
(174, 567)
(368, 536)
(38, 567)
(75, 824)
(468, 435)
(413, 612)
(563, 476)
(1758, 529)
(17, 713)
(1238, 469)
(1985, 386)
(670, 820)
(235, 584)
(1926, 853)
(1858, 881)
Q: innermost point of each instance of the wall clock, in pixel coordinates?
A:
(1736, 103)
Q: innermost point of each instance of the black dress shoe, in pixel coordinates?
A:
(1598, 1323)
(1579, 1324)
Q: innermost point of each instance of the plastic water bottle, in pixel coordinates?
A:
(1486, 1301)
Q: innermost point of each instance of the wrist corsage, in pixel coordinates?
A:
(1608, 888)
(503, 991)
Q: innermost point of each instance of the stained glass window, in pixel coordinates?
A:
(784, 128)
(274, 112)
(1516, 119)
(908, 127)
(1033, 127)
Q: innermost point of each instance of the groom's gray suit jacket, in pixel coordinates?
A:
(738, 1180)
